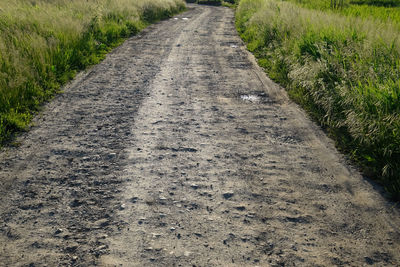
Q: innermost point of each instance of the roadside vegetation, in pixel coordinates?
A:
(44, 43)
(228, 3)
(382, 10)
(342, 67)
(209, 2)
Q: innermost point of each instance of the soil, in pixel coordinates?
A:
(177, 150)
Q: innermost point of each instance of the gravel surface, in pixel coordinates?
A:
(177, 150)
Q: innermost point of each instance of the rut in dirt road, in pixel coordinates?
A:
(178, 151)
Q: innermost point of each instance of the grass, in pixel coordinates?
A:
(44, 43)
(344, 70)
(381, 10)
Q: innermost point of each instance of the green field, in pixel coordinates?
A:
(44, 43)
(342, 66)
(380, 10)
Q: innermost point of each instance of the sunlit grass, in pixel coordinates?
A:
(43, 43)
(344, 70)
(381, 10)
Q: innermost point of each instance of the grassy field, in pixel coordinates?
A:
(344, 69)
(380, 10)
(43, 43)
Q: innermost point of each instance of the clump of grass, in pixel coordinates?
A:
(344, 70)
(43, 43)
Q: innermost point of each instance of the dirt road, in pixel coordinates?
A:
(178, 151)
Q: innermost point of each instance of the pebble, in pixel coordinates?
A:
(102, 222)
(172, 228)
(111, 155)
(194, 186)
(58, 231)
(228, 194)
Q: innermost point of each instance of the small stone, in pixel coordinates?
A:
(172, 229)
(122, 207)
(187, 253)
(228, 194)
(111, 155)
(141, 220)
(163, 215)
(102, 222)
(162, 198)
(58, 231)
(194, 186)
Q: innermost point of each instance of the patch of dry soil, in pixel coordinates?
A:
(178, 151)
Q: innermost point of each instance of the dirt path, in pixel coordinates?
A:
(178, 151)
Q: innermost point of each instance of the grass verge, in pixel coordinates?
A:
(44, 43)
(344, 70)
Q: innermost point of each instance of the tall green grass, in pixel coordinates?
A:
(380, 10)
(344, 70)
(43, 43)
